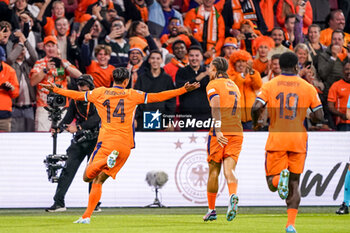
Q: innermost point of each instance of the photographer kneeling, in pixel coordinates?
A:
(85, 132)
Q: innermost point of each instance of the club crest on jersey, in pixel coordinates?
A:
(151, 120)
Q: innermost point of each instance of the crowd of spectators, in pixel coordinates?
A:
(165, 43)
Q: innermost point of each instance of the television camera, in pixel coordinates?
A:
(55, 162)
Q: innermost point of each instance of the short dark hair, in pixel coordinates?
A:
(120, 74)
(275, 56)
(86, 79)
(174, 18)
(290, 16)
(178, 42)
(195, 47)
(338, 31)
(288, 60)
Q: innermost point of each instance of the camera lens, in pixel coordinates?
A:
(60, 100)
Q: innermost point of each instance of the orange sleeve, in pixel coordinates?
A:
(164, 38)
(307, 20)
(332, 93)
(164, 95)
(256, 80)
(220, 5)
(211, 91)
(279, 9)
(189, 17)
(77, 95)
(221, 34)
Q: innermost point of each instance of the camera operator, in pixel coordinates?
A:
(85, 132)
(50, 68)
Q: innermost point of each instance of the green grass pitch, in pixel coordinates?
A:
(184, 220)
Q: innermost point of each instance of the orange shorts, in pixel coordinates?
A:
(276, 161)
(232, 149)
(105, 148)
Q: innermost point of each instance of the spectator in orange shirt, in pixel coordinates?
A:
(208, 27)
(9, 89)
(338, 98)
(179, 61)
(100, 70)
(336, 22)
(300, 7)
(230, 45)
(248, 81)
(48, 23)
(177, 32)
(48, 70)
(263, 44)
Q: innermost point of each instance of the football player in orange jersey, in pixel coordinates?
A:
(288, 97)
(225, 139)
(116, 107)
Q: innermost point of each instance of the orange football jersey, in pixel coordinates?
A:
(230, 108)
(116, 107)
(288, 97)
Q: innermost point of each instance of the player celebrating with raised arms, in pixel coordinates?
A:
(288, 98)
(225, 139)
(116, 107)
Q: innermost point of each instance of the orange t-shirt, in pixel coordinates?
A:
(288, 97)
(102, 77)
(339, 94)
(326, 37)
(230, 108)
(260, 66)
(116, 107)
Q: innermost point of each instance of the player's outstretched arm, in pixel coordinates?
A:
(165, 95)
(77, 95)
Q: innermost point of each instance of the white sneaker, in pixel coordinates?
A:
(112, 158)
(83, 220)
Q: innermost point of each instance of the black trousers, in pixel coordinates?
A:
(76, 154)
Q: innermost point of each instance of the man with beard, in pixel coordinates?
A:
(135, 61)
(179, 61)
(196, 103)
(177, 32)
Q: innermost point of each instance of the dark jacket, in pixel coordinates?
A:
(196, 101)
(77, 110)
(149, 84)
(329, 70)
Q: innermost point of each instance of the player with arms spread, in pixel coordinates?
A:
(116, 107)
(225, 139)
(287, 97)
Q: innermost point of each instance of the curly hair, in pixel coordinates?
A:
(240, 55)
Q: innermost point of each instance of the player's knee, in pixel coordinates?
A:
(270, 184)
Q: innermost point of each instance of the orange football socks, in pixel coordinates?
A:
(211, 200)
(94, 197)
(232, 188)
